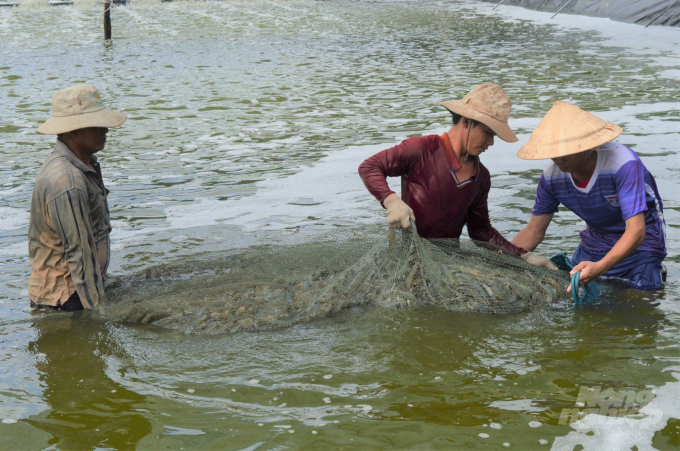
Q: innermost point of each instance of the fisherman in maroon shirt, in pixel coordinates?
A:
(443, 183)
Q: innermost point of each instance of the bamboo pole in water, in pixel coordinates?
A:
(539, 6)
(107, 20)
(558, 11)
(662, 13)
(497, 5)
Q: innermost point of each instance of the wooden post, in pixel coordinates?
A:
(107, 20)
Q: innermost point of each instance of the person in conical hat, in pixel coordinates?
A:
(68, 233)
(607, 185)
(444, 185)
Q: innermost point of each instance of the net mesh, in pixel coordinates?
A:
(266, 287)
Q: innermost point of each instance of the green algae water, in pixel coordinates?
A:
(248, 120)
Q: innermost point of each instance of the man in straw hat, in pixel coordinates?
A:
(606, 185)
(68, 235)
(444, 184)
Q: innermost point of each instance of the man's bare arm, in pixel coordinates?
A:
(534, 232)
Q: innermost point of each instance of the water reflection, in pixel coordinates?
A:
(87, 409)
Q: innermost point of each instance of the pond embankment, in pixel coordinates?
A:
(641, 12)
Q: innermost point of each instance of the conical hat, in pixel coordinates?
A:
(565, 130)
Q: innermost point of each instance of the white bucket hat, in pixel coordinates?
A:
(489, 104)
(77, 107)
(565, 130)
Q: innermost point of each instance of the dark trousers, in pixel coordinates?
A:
(71, 305)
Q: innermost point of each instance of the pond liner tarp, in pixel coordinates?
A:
(640, 12)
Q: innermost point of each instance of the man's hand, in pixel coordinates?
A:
(539, 260)
(629, 241)
(399, 214)
(589, 272)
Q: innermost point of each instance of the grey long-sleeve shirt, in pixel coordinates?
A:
(68, 234)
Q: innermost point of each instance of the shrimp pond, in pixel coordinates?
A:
(247, 122)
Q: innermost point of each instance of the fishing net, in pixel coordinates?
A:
(265, 287)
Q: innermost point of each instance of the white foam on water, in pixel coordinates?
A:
(172, 430)
(330, 190)
(344, 391)
(598, 432)
(19, 249)
(671, 73)
(252, 447)
(518, 405)
(13, 218)
(661, 40)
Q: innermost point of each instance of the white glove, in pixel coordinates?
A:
(399, 214)
(538, 260)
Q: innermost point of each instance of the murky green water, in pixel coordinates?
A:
(247, 123)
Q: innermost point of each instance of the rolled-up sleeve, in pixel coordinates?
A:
(69, 214)
(393, 162)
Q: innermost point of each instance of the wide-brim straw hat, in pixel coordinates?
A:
(79, 107)
(565, 130)
(489, 104)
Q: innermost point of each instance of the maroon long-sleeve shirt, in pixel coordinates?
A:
(441, 206)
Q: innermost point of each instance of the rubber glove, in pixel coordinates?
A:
(538, 260)
(399, 214)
